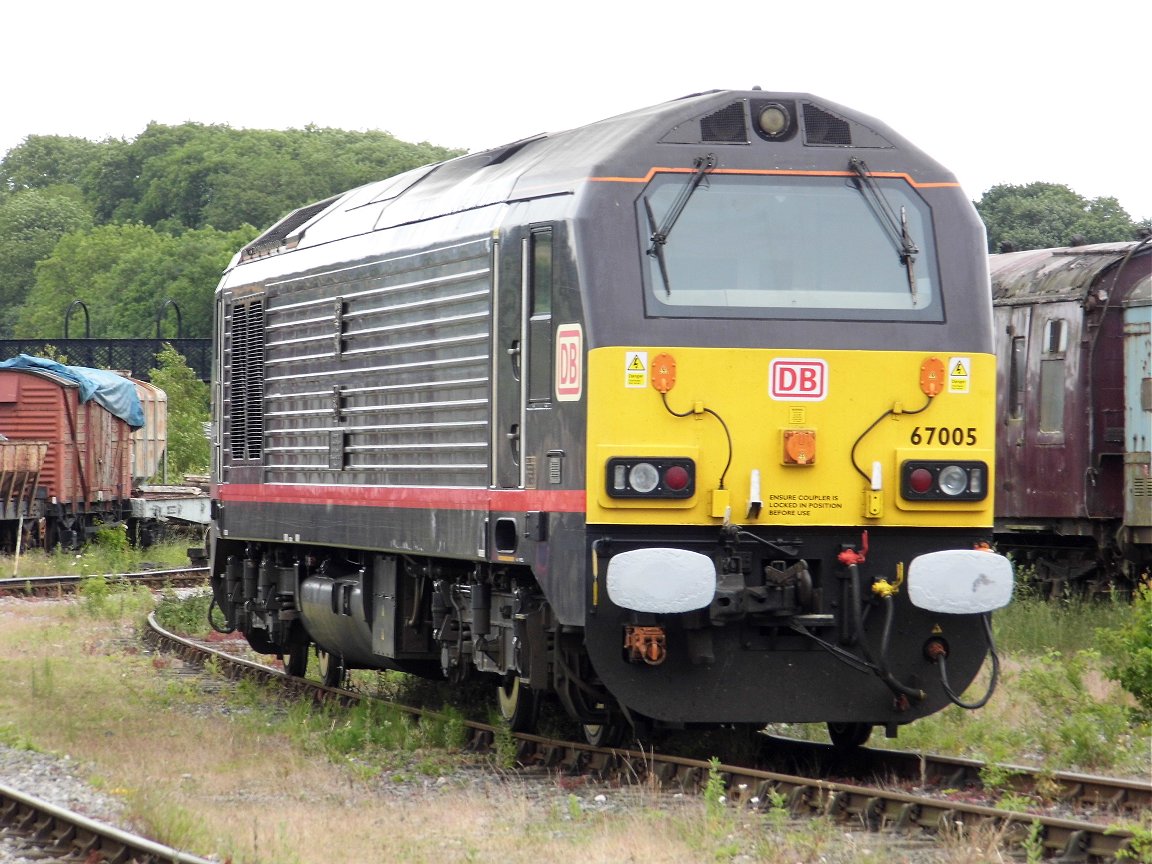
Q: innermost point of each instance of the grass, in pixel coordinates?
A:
(1054, 705)
(109, 554)
(222, 767)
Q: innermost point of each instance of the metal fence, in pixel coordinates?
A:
(135, 356)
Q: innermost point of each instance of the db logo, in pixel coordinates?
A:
(798, 380)
(569, 371)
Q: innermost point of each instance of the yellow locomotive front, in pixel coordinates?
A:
(696, 436)
(789, 490)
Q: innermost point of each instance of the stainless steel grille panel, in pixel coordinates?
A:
(382, 370)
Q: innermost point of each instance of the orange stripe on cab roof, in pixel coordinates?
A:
(944, 184)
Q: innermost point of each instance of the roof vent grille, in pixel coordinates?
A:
(820, 127)
(726, 126)
(275, 236)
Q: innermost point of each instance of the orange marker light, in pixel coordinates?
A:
(799, 446)
(663, 372)
(932, 376)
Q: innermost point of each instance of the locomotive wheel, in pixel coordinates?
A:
(519, 705)
(849, 736)
(295, 658)
(609, 733)
(296, 661)
(331, 668)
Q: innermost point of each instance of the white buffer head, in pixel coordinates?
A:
(960, 581)
(661, 580)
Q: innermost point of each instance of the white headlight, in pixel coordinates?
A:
(953, 480)
(643, 477)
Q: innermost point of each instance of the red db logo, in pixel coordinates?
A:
(798, 380)
(569, 371)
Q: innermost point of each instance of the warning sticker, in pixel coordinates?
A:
(960, 375)
(636, 369)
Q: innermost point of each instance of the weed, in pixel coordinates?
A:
(186, 616)
(11, 737)
(1034, 843)
(109, 598)
(1139, 848)
(1129, 650)
(504, 744)
(1081, 728)
(715, 789)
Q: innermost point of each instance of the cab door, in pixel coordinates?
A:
(522, 361)
(508, 362)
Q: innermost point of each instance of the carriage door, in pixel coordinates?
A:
(1013, 410)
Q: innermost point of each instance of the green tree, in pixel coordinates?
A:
(42, 161)
(124, 273)
(188, 411)
(31, 224)
(1045, 215)
(175, 178)
(193, 176)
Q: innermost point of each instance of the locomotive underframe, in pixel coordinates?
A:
(786, 613)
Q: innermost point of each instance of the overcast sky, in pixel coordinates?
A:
(1013, 91)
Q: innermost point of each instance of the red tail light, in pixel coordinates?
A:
(924, 480)
(651, 478)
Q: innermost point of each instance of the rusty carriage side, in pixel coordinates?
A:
(20, 463)
(85, 476)
(1074, 498)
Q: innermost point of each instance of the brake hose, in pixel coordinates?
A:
(939, 654)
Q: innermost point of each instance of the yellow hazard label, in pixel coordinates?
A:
(960, 375)
(636, 369)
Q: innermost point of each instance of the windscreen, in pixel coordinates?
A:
(775, 246)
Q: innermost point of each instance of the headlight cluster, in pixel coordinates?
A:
(651, 478)
(923, 480)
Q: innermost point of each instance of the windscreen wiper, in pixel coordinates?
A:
(702, 165)
(896, 226)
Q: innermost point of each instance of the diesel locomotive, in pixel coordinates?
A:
(682, 418)
(1074, 501)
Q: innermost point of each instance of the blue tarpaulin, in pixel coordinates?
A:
(114, 392)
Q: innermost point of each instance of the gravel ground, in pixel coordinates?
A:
(53, 779)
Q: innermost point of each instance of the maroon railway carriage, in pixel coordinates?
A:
(1074, 496)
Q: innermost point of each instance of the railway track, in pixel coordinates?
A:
(1078, 817)
(33, 829)
(60, 586)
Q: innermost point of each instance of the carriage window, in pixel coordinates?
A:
(1055, 336)
(1052, 376)
(1016, 379)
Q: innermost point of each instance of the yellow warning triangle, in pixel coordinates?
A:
(637, 365)
(958, 371)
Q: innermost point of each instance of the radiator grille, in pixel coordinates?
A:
(246, 386)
